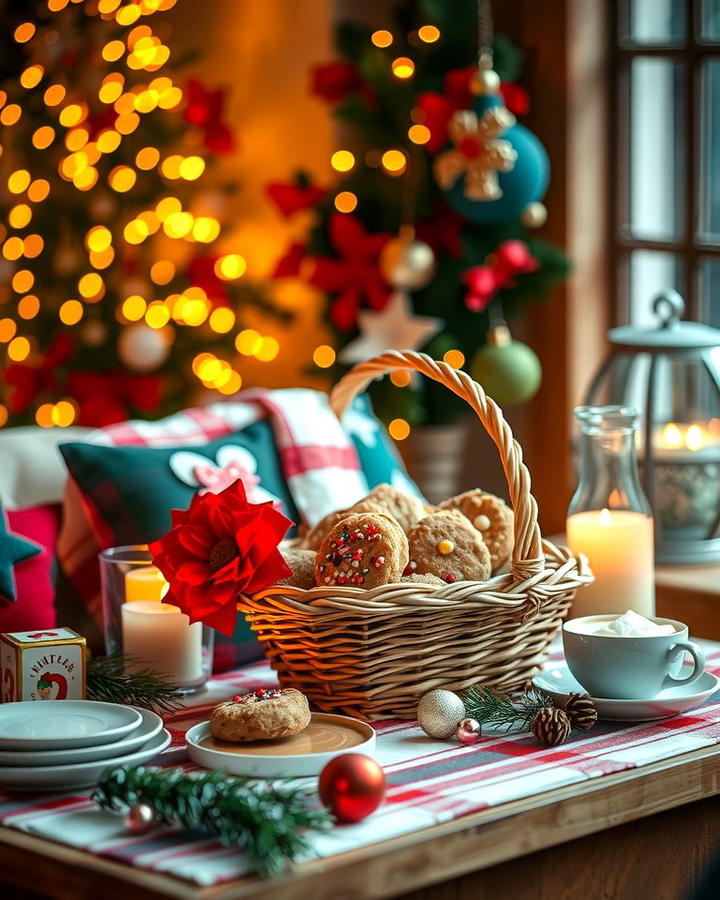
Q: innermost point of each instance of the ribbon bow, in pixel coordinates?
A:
(478, 153)
(214, 479)
(511, 258)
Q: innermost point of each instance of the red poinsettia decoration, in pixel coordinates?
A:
(290, 263)
(353, 275)
(295, 196)
(201, 273)
(204, 110)
(510, 259)
(438, 108)
(334, 81)
(219, 547)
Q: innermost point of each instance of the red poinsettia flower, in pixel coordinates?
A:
(294, 197)
(204, 110)
(219, 547)
(288, 266)
(437, 108)
(335, 81)
(353, 275)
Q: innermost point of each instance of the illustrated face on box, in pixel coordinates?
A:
(42, 665)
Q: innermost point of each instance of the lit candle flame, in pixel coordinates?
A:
(694, 437)
(672, 436)
(605, 517)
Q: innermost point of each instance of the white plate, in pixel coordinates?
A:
(62, 724)
(558, 681)
(302, 754)
(148, 728)
(78, 775)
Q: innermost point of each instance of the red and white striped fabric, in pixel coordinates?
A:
(319, 462)
(429, 782)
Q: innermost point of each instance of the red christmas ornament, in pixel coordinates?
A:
(511, 258)
(352, 786)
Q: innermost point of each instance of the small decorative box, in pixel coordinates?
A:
(42, 665)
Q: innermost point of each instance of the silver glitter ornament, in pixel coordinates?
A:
(468, 731)
(439, 713)
(140, 818)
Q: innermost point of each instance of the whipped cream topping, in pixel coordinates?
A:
(631, 624)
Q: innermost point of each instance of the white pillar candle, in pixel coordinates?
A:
(619, 545)
(145, 583)
(161, 637)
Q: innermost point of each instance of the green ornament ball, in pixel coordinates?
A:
(509, 371)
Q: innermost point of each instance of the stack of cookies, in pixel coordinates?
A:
(390, 536)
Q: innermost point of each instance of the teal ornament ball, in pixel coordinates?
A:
(508, 371)
(525, 183)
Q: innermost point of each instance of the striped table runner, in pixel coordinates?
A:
(429, 782)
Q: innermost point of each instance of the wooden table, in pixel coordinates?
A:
(644, 833)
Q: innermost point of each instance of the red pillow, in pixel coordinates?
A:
(35, 605)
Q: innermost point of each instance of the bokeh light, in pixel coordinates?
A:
(346, 201)
(398, 429)
(324, 356)
(381, 38)
(71, 311)
(394, 162)
(342, 160)
(429, 33)
(454, 358)
(403, 67)
(230, 266)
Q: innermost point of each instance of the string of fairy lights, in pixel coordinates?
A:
(141, 50)
(394, 163)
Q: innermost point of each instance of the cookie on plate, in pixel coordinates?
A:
(302, 563)
(408, 510)
(263, 715)
(363, 550)
(492, 517)
(445, 544)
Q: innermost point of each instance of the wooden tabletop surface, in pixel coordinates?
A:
(394, 867)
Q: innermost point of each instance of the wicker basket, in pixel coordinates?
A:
(373, 653)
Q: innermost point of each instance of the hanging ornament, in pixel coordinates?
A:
(352, 786)
(140, 818)
(551, 727)
(534, 215)
(440, 712)
(142, 348)
(395, 328)
(510, 259)
(508, 370)
(468, 731)
(407, 263)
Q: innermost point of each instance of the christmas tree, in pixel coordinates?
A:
(403, 245)
(113, 302)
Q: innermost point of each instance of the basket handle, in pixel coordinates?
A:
(527, 557)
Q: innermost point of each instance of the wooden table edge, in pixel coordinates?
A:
(411, 861)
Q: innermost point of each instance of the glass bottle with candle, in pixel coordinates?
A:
(609, 518)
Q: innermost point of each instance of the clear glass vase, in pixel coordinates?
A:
(155, 635)
(609, 518)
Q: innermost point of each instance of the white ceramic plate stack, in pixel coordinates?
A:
(68, 744)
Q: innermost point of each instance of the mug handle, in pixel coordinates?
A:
(698, 663)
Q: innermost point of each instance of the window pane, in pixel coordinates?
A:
(710, 291)
(656, 157)
(710, 21)
(654, 21)
(709, 186)
(651, 272)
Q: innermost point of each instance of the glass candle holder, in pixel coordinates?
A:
(154, 635)
(609, 518)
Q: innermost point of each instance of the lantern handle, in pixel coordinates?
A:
(669, 307)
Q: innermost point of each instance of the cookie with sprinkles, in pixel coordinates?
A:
(363, 550)
(492, 517)
(446, 545)
(266, 714)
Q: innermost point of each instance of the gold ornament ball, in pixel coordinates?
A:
(407, 264)
(142, 348)
(439, 713)
(534, 215)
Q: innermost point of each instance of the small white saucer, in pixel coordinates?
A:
(149, 726)
(77, 775)
(302, 754)
(558, 681)
(62, 724)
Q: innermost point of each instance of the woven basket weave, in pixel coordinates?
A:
(374, 653)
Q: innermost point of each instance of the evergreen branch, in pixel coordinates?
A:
(505, 712)
(268, 821)
(108, 680)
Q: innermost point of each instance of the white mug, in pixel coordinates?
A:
(619, 667)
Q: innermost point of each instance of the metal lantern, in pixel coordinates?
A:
(671, 374)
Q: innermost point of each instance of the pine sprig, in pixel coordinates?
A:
(505, 712)
(108, 680)
(268, 821)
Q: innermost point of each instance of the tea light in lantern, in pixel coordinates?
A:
(145, 583)
(160, 636)
(619, 545)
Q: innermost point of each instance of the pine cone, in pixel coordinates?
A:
(581, 711)
(551, 726)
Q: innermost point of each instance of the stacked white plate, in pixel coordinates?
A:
(68, 744)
